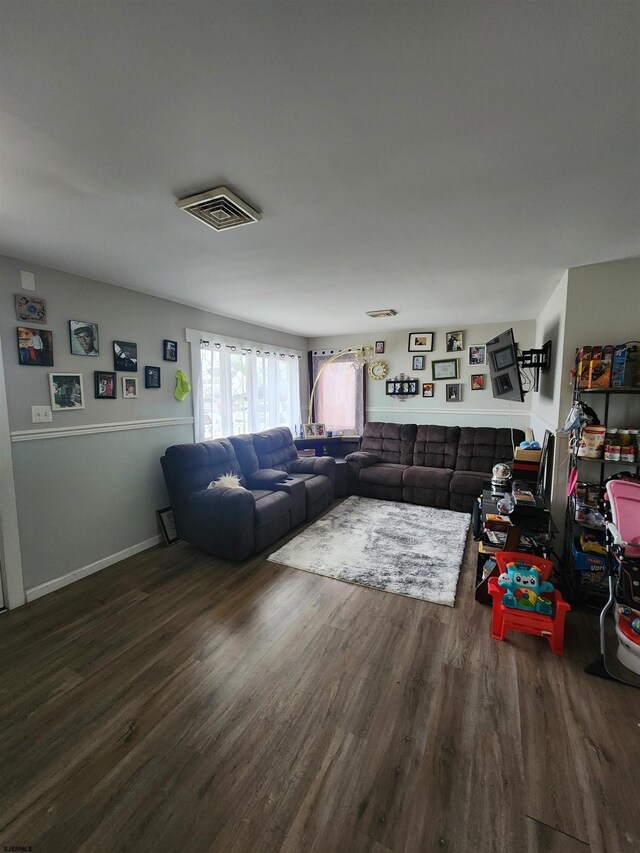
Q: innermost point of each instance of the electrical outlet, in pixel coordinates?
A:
(41, 414)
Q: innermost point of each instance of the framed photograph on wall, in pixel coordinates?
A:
(170, 350)
(418, 362)
(84, 337)
(105, 385)
(168, 525)
(453, 393)
(379, 347)
(477, 354)
(454, 342)
(152, 377)
(129, 387)
(477, 381)
(125, 356)
(35, 347)
(66, 391)
(444, 368)
(31, 308)
(421, 342)
(427, 389)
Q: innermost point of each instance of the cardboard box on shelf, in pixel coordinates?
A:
(625, 369)
(583, 360)
(525, 455)
(600, 367)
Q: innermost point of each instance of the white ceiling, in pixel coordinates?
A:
(446, 159)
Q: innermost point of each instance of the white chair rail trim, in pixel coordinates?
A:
(91, 429)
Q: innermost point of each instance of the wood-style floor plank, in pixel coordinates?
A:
(177, 701)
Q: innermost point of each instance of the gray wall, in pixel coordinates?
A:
(477, 408)
(86, 497)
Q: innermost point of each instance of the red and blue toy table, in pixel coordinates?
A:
(514, 619)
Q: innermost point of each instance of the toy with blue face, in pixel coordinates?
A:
(524, 588)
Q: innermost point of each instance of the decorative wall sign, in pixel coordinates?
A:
(31, 308)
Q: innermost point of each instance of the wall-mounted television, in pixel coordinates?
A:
(502, 358)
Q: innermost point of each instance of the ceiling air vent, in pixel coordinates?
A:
(219, 208)
(384, 312)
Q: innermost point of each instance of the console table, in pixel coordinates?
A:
(337, 446)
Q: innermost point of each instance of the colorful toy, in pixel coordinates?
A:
(523, 584)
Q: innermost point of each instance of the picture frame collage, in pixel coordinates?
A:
(66, 389)
(445, 369)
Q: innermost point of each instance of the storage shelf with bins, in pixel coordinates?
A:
(587, 467)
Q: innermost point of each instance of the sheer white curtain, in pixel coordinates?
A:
(241, 386)
(339, 397)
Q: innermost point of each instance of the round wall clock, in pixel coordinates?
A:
(377, 370)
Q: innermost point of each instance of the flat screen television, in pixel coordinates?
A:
(502, 358)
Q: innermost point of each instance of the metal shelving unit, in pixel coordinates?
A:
(574, 581)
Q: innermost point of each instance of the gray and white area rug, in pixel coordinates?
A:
(398, 547)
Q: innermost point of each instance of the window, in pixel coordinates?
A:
(339, 397)
(242, 387)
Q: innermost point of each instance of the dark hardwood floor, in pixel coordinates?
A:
(176, 702)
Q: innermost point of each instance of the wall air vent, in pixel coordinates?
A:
(384, 312)
(220, 209)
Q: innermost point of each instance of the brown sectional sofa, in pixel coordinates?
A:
(439, 466)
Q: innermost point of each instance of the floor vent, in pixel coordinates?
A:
(220, 209)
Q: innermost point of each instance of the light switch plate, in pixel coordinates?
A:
(41, 414)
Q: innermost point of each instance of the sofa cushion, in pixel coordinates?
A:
(480, 448)
(422, 477)
(189, 468)
(390, 442)
(383, 474)
(465, 488)
(270, 506)
(436, 446)
(275, 448)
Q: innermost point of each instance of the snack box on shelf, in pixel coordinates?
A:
(625, 369)
(583, 360)
(599, 375)
(588, 562)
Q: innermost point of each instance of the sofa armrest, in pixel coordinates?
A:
(220, 521)
(314, 465)
(265, 478)
(362, 459)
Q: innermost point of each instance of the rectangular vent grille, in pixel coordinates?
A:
(384, 312)
(220, 209)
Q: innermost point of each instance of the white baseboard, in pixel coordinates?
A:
(57, 583)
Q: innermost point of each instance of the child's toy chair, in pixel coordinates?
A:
(512, 619)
